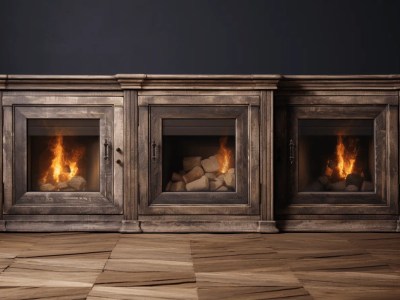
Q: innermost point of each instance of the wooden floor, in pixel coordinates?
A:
(199, 266)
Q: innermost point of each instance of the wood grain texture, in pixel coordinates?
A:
(200, 266)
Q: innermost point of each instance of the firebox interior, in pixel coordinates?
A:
(203, 139)
(63, 155)
(336, 155)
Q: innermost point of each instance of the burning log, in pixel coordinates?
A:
(354, 179)
(62, 185)
(210, 164)
(78, 183)
(178, 186)
(190, 162)
(176, 177)
(194, 174)
(199, 185)
(47, 187)
(215, 185)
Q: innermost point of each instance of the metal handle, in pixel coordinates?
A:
(291, 151)
(154, 150)
(106, 144)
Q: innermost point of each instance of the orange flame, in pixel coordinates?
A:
(224, 155)
(64, 165)
(345, 158)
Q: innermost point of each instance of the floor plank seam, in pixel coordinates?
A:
(194, 271)
(105, 263)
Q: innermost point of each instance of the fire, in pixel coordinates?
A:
(346, 158)
(64, 164)
(224, 155)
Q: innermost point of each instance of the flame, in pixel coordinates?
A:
(224, 155)
(346, 158)
(64, 165)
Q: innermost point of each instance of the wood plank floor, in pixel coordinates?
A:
(200, 266)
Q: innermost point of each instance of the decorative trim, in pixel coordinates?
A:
(57, 226)
(199, 226)
(129, 226)
(338, 225)
(2, 225)
(60, 82)
(285, 83)
(339, 82)
(267, 227)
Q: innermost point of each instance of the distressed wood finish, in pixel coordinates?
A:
(268, 100)
(244, 200)
(200, 266)
(2, 222)
(337, 97)
(267, 223)
(130, 162)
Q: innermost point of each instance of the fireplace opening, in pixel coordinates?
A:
(198, 155)
(336, 156)
(63, 155)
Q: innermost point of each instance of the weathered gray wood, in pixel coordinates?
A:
(337, 225)
(7, 158)
(266, 154)
(199, 100)
(131, 155)
(345, 100)
(109, 200)
(242, 201)
(2, 223)
(60, 99)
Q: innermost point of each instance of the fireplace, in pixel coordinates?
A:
(201, 159)
(335, 161)
(335, 155)
(63, 155)
(198, 155)
(67, 158)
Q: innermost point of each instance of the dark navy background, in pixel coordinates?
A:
(200, 36)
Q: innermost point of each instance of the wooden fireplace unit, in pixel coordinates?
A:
(268, 113)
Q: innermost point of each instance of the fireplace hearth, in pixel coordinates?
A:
(199, 153)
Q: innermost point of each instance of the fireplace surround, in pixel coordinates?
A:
(199, 153)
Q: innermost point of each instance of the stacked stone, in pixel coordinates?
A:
(202, 175)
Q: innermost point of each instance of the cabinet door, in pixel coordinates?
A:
(336, 160)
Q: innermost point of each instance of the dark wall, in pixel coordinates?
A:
(203, 36)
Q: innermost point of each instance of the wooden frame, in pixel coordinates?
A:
(339, 98)
(17, 110)
(244, 110)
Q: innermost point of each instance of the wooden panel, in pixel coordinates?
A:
(199, 100)
(62, 99)
(130, 155)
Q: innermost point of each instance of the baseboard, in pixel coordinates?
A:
(199, 226)
(130, 226)
(338, 225)
(59, 226)
(267, 227)
(2, 225)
